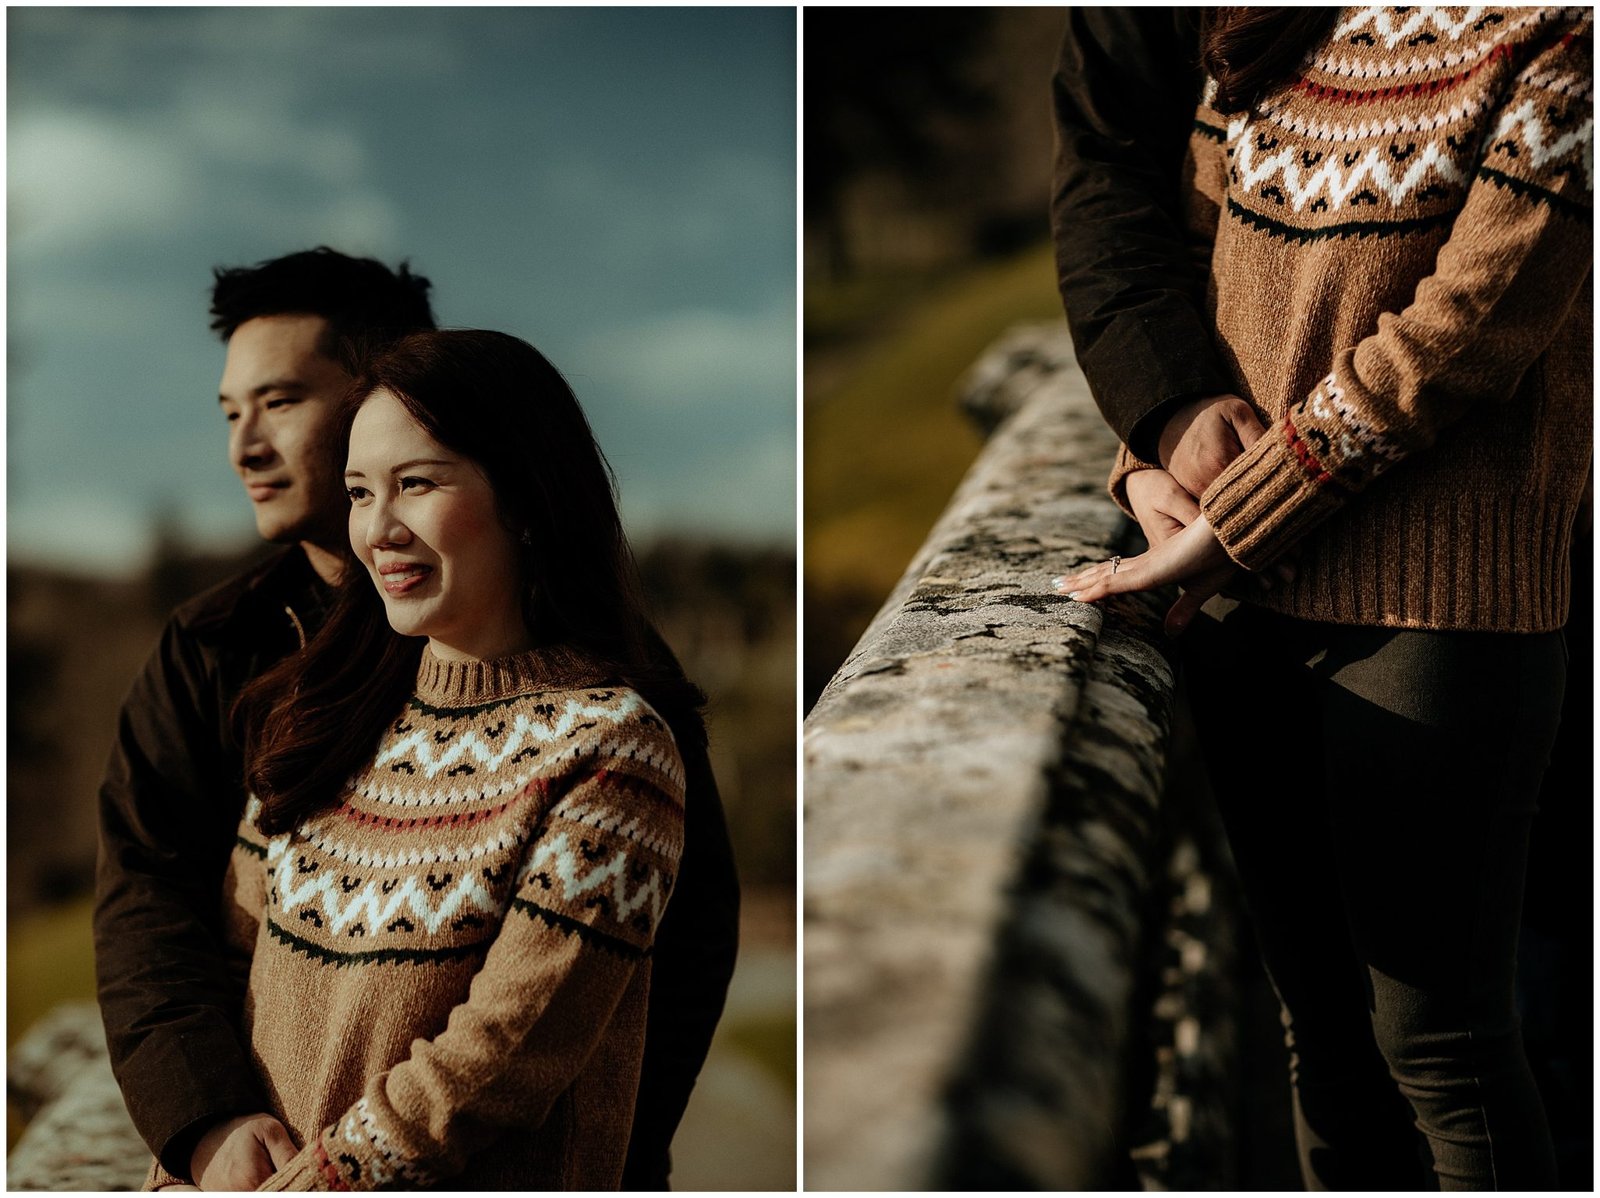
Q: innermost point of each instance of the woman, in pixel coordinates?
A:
(466, 808)
(1395, 204)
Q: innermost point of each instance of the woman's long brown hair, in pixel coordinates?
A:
(1249, 51)
(313, 720)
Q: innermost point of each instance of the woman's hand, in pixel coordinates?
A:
(1193, 558)
(1164, 509)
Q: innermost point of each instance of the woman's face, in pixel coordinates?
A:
(423, 521)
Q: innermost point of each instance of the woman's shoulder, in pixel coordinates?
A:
(604, 725)
(601, 707)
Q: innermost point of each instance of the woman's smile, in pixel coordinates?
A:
(399, 578)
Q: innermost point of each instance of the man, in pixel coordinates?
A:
(172, 797)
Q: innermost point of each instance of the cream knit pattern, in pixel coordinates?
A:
(449, 967)
(1400, 256)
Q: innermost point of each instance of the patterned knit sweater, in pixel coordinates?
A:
(1400, 255)
(449, 968)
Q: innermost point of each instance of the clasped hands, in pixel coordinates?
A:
(1197, 443)
(239, 1154)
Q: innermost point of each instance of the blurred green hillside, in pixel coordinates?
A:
(884, 442)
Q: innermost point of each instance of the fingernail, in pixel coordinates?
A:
(1072, 594)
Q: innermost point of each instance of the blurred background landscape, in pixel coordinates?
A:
(926, 193)
(616, 186)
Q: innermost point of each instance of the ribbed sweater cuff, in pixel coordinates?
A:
(307, 1170)
(1269, 497)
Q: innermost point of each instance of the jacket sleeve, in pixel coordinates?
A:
(689, 974)
(169, 996)
(1518, 256)
(1124, 95)
(592, 888)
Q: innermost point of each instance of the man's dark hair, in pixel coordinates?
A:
(363, 301)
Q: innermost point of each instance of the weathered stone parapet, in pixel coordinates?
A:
(79, 1135)
(984, 832)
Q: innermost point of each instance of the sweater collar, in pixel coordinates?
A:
(444, 683)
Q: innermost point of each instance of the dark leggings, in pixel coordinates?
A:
(1378, 786)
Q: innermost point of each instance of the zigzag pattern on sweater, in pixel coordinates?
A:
(375, 905)
(468, 752)
(435, 901)
(418, 747)
(557, 858)
(1476, 55)
(1334, 178)
(1525, 122)
(1382, 18)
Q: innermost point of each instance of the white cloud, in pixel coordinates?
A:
(697, 357)
(740, 491)
(74, 50)
(81, 177)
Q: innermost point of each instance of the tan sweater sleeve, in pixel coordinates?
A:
(590, 894)
(1517, 258)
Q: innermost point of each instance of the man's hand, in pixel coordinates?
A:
(1161, 506)
(241, 1153)
(1202, 437)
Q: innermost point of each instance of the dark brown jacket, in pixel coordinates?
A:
(169, 807)
(1124, 94)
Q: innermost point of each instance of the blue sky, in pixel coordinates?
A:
(615, 185)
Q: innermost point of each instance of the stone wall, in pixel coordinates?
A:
(989, 858)
(79, 1136)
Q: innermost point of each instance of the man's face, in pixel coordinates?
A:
(279, 392)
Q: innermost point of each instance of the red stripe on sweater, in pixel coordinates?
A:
(1350, 95)
(328, 1169)
(1302, 452)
